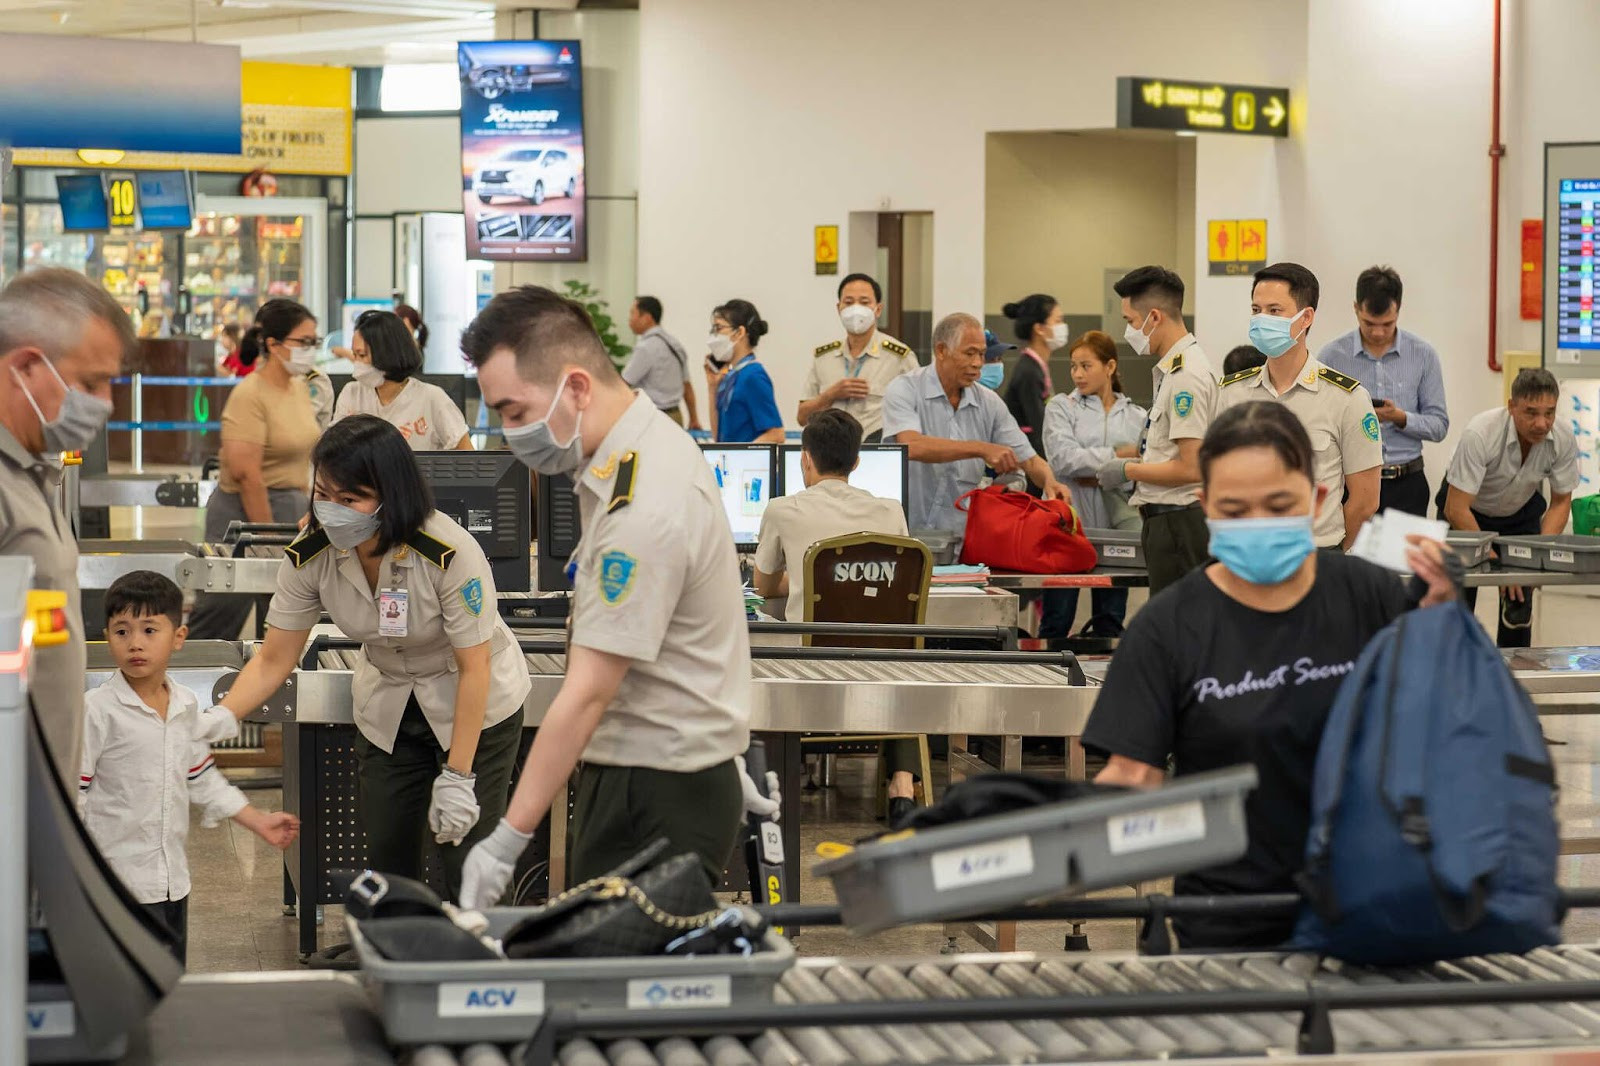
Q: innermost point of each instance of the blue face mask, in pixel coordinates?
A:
(993, 374)
(1273, 336)
(1262, 551)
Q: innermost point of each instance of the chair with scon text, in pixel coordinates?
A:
(874, 578)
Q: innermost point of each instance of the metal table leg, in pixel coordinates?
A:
(998, 936)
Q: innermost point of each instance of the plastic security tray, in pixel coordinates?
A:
(942, 545)
(1078, 846)
(499, 1000)
(1565, 552)
(1117, 548)
(1471, 545)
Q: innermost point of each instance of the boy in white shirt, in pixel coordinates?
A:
(143, 762)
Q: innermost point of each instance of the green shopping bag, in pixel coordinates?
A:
(1586, 516)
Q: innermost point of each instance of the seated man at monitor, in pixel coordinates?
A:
(830, 449)
(954, 431)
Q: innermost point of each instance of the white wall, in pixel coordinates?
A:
(755, 126)
(403, 164)
(1060, 207)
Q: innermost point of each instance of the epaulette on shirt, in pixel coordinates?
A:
(627, 474)
(1333, 377)
(1177, 363)
(895, 347)
(824, 349)
(432, 549)
(307, 547)
(1243, 375)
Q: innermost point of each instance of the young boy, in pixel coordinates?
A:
(142, 763)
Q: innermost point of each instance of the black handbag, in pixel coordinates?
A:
(635, 910)
(374, 895)
(422, 938)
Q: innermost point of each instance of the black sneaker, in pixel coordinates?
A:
(900, 808)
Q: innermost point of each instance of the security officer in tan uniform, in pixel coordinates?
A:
(1165, 465)
(1335, 409)
(62, 340)
(438, 692)
(655, 701)
(852, 374)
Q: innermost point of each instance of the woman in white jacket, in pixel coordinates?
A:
(1083, 430)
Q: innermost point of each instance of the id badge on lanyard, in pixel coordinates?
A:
(392, 612)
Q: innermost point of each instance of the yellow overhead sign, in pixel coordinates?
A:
(1212, 107)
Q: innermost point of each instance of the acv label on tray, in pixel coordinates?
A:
(1177, 824)
(470, 999)
(1559, 556)
(1119, 551)
(982, 863)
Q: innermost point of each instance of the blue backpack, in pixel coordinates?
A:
(1433, 831)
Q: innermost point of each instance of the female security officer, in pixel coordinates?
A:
(438, 696)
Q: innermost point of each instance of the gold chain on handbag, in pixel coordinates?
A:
(623, 888)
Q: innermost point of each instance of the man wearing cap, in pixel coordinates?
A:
(852, 374)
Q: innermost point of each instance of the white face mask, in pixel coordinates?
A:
(368, 375)
(857, 319)
(720, 345)
(1058, 336)
(300, 360)
(1136, 337)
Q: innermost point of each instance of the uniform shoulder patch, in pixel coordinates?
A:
(1243, 375)
(472, 596)
(432, 549)
(895, 347)
(307, 547)
(622, 488)
(1177, 362)
(1183, 403)
(1333, 377)
(1369, 426)
(826, 348)
(617, 571)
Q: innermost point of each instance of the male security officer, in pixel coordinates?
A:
(1165, 465)
(656, 697)
(1335, 408)
(853, 374)
(62, 340)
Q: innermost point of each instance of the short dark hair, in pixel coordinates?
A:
(833, 440)
(742, 314)
(1028, 312)
(389, 339)
(1152, 286)
(877, 290)
(649, 305)
(1303, 287)
(1378, 289)
(1532, 382)
(544, 330)
(1259, 424)
(144, 594)
(1244, 357)
(274, 321)
(366, 452)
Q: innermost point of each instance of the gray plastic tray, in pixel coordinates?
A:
(1471, 545)
(1565, 552)
(499, 1000)
(966, 869)
(942, 545)
(1118, 548)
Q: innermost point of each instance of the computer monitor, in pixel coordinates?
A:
(84, 207)
(745, 473)
(882, 471)
(487, 494)
(560, 527)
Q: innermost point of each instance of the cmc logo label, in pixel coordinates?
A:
(683, 993)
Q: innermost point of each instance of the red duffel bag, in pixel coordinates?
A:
(1016, 531)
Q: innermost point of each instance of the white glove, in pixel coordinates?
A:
(454, 810)
(1114, 473)
(489, 866)
(218, 724)
(765, 807)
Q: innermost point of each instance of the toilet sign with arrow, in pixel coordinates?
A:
(1202, 107)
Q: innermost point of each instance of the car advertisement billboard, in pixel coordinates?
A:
(522, 150)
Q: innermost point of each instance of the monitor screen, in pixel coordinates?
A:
(882, 471)
(488, 495)
(745, 473)
(83, 203)
(164, 200)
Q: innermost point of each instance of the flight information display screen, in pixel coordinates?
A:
(1576, 208)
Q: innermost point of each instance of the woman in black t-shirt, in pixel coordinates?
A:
(1240, 661)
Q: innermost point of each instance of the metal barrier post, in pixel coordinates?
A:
(138, 423)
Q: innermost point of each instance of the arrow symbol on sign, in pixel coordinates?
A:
(1274, 112)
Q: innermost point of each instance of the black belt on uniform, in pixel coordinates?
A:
(1390, 473)
(1150, 510)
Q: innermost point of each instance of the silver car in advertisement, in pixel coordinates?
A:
(531, 174)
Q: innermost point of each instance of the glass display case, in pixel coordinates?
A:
(10, 254)
(123, 261)
(242, 252)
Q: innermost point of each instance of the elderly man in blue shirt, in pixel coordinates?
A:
(1401, 371)
(954, 430)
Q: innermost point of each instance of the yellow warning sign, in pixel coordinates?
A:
(827, 249)
(1236, 246)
